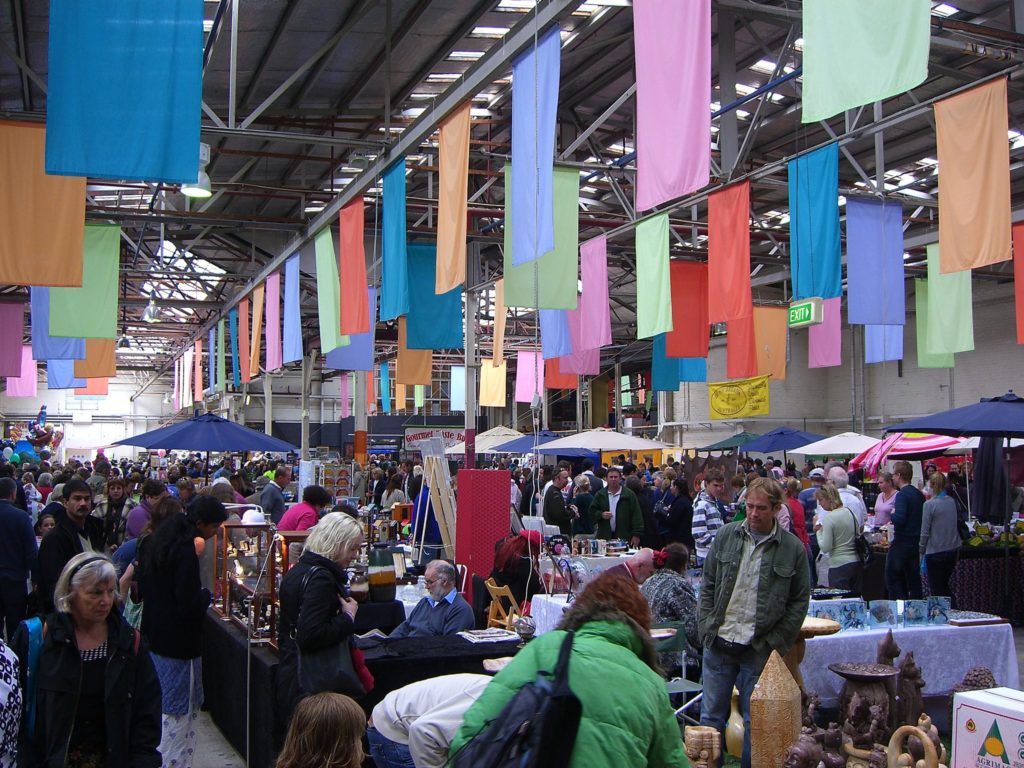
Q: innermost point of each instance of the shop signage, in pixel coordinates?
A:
(416, 437)
(805, 312)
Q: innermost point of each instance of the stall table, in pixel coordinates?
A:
(547, 610)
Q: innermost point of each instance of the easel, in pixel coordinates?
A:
(439, 484)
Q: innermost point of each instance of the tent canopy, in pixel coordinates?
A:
(526, 443)
(486, 442)
(846, 444)
(991, 417)
(733, 441)
(781, 439)
(910, 446)
(597, 440)
(208, 432)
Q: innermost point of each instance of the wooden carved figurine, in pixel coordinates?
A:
(914, 745)
(911, 703)
(899, 757)
(734, 728)
(810, 702)
(805, 752)
(887, 650)
(832, 745)
(703, 745)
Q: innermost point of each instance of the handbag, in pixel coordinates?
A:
(535, 729)
(328, 669)
(860, 544)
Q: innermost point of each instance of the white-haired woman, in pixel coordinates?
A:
(317, 612)
(97, 697)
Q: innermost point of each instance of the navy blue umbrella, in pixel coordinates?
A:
(526, 443)
(209, 433)
(991, 417)
(781, 439)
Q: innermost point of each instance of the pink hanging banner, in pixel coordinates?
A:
(529, 376)
(585, 363)
(345, 410)
(672, 47)
(825, 340)
(25, 385)
(274, 350)
(590, 324)
(12, 317)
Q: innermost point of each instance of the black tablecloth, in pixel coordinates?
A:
(382, 616)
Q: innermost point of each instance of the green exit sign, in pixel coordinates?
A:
(805, 312)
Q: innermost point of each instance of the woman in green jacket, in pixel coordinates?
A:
(613, 670)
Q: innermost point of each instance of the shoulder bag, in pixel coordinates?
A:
(860, 544)
(329, 669)
(535, 729)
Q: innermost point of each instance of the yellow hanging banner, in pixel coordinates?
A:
(739, 398)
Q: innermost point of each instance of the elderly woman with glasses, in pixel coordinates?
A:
(96, 695)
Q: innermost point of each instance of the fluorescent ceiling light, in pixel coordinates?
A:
(492, 32)
(465, 55)
(944, 9)
(443, 77)
(199, 188)
(764, 66)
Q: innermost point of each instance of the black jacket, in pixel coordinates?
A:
(555, 511)
(175, 602)
(131, 701)
(60, 545)
(679, 520)
(313, 619)
(18, 551)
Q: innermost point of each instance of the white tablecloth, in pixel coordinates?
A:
(944, 654)
(547, 611)
(595, 564)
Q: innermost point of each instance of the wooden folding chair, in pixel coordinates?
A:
(498, 615)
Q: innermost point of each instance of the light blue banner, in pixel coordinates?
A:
(45, 346)
(292, 340)
(394, 281)
(815, 258)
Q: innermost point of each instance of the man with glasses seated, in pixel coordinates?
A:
(442, 612)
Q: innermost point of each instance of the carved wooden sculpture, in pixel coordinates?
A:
(703, 746)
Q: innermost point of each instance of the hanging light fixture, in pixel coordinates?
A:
(123, 342)
(201, 187)
(151, 314)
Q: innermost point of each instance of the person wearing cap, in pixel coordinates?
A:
(76, 531)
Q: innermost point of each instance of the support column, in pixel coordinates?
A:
(545, 409)
(359, 414)
(579, 403)
(469, 359)
(268, 403)
(728, 130)
(307, 377)
(617, 398)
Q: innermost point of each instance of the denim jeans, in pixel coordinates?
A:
(903, 571)
(387, 753)
(940, 566)
(722, 672)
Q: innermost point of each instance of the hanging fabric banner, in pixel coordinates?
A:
(44, 346)
(1018, 278)
(922, 310)
(453, 182)
(554, 333)
(556, 378)
(974, 183)
(222, 368)
(257, 331)
(211, 364)
(594, 313)
(186, 381)
(110, 62)
(664, 369)
(653, 284)
(400, 397)
(550, 281)
(236, 375)
(435, 319)
(457, 389)
(394, 279)
(352, 270)
(825, 340)
(741, 348)
(344, 396)
(60, 374)
(771, 334)
(357, 355)
(739, 399)
(292, 341)
(874, 257)
(492, 383)
(243, 340)
(500, 313)
(529, 376)
(27, 383)
(691, 330)
(94, 388)
(385, 387)
(41, 240)
(860, 51)
(626, 391)
(815, 257)
(693, 369)
(419, 396)
(729, 253)
(413, 366)
(883, 343)
(327, 291)
(951, 328)
(535, 75)
(102, 252)
(585, 363)
(371, 395)
(672, 48)
(100, 360)
(177, 385)
(273, 315)
(197, 370)
(12, 318)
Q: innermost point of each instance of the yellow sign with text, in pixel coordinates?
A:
(740, 398)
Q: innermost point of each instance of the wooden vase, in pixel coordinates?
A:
(734, 728)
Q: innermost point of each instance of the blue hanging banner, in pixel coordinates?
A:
(874, 263)
(394, 280)
(236, 373)
(555, 340)
(883, 343)
(814, 251)
(45, 346)
(385, 388)
(357, 355)
(60, 374)
(434, 320)
(292, 317)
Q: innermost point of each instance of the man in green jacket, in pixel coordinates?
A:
(753, 600)
(617, 511)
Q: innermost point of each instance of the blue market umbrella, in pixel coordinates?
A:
(526, 443)
(781, 439)
(209, 433)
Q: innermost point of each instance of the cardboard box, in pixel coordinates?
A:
(988, 729)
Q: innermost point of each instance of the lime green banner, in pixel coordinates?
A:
(926, 359)
(90, 312)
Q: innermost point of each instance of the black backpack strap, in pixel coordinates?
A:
(561, 672)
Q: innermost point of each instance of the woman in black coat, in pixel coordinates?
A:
(97, 695)
(679, 522)
(317, 611)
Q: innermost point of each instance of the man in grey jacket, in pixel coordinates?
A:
(753, 600)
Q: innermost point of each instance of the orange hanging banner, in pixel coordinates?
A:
(352, 295)
(453, 182)
(100, 360)
(740, 348)
(691, 331)
(243, 340)
(771, 330)
(94, 387)
(371, 393)
(974, 178)
(729, 253)
(256, 342)
(414, 366)
(555, 379)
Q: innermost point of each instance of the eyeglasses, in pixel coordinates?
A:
(431, 582)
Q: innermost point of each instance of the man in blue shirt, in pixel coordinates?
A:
(902, 565)
(444, 611)
(18, 555)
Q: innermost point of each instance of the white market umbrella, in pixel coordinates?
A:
(846, 444)
(597, 440)
(487, 441)
(971, 444)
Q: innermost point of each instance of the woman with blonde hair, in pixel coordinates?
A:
(326, 731)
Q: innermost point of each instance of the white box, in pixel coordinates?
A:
(988, 729)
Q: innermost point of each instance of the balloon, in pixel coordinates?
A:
(8, 452)
(161, 453)
(15, 459)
